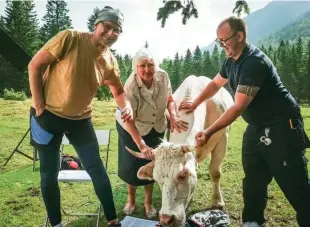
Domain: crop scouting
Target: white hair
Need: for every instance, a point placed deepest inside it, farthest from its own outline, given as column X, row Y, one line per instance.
column 142, row 55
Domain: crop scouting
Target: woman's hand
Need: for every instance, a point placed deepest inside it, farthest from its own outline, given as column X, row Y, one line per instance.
column 127, row 114
column 177, row 124
column 147, row 151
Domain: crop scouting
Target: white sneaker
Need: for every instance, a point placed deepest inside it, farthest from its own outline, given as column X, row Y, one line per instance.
column 252, row 224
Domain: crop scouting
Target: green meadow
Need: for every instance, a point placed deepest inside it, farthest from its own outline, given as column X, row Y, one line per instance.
column 21, row 201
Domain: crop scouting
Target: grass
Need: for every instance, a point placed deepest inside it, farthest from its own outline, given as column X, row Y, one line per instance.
column 21, row 202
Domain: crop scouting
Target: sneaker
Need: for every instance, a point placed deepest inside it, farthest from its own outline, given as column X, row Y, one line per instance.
column 253, row 224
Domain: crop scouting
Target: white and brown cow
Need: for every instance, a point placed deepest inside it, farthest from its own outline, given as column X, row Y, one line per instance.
column 174, row 167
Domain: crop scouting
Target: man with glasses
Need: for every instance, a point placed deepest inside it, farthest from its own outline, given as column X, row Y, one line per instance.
column 77, row 64
column 274, row 142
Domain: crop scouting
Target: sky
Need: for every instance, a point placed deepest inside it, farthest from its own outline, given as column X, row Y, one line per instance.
column 140, row 24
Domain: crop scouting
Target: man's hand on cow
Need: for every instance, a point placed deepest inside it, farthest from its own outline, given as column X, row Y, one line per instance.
column 177, row 124
column 189, row 106
column 127, row 114
column 202, row 138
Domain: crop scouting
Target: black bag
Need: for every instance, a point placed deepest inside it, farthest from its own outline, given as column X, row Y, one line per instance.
column 209, row 218
column 69, row 162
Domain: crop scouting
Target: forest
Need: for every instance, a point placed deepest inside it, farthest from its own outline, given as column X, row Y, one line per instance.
column 20, row 21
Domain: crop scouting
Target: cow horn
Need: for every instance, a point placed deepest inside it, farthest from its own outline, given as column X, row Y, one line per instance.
column 136, row 154
column 187, row 148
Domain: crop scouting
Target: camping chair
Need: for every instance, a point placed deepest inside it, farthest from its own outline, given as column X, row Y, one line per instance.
column 103, row 137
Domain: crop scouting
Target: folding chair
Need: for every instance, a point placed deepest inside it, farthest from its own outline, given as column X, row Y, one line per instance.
column 103, row 137
column 34, row 158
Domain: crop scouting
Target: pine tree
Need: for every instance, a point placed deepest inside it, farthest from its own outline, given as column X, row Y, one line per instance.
column 164, row 64
column 187, row 65
column 20, row 22
column 222, row 57
column 293, row 71
column 175, row 76
column 92, row 18
column 264, row 49
column 240, row 6
column 128, row 64
column 284, row 64
column 270, row 53
column 307, row 74
column 300, row 66
column 2, row 26
column 197, row 62
column 32, row 27
column 216, row 58
column 208, row 68
column 55, row 20
column 123, row 68
column 282, row 51
column 188, row 9
column 170, row 67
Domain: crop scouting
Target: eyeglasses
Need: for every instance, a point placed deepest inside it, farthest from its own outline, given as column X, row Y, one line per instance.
column 223, row 42
column 109, row 27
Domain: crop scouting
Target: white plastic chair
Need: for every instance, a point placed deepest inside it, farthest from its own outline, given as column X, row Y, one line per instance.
column 103, row 137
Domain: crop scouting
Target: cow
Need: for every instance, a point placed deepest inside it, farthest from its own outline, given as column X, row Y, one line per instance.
column 176, row 160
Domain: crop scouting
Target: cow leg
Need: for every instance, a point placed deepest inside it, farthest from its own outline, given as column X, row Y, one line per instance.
column 217, row 157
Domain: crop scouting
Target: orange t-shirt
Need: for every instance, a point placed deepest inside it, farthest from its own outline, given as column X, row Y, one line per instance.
column 72, row 81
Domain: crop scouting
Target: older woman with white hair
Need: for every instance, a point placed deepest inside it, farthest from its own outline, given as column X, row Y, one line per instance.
column 149, row 90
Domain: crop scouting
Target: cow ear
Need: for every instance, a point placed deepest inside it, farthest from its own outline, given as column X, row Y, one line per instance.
column 146, row 172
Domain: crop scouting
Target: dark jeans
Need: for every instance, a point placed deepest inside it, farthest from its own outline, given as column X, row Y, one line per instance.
column 47, row 131
column 284, row 160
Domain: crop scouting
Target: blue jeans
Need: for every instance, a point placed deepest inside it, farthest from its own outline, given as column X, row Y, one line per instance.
column 47, row 131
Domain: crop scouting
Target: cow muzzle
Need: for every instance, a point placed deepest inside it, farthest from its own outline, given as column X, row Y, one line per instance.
column 166, row 220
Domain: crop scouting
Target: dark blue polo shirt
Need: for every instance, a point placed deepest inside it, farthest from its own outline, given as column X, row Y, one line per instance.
column 273, row 102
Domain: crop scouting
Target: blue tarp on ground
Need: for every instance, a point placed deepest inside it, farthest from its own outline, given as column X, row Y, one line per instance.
column 129, row 221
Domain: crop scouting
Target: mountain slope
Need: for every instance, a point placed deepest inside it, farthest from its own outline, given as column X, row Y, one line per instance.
column 275, row 16
column 300, row 27
column 272, row 18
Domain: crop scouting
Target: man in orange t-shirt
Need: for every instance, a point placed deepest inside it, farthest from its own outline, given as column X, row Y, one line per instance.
column 76, row 64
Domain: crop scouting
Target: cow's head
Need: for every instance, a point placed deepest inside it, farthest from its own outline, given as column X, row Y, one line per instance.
column 174, row 170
